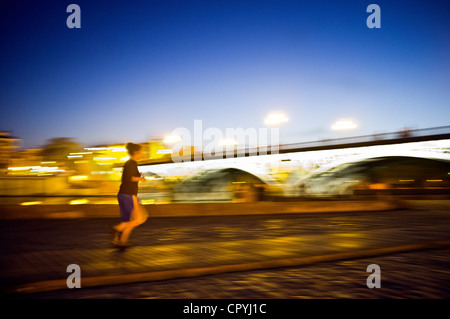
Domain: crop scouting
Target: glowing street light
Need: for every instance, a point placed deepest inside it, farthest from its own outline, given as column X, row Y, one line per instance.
column 275, row 118
column 227, row 142
column 344, row 125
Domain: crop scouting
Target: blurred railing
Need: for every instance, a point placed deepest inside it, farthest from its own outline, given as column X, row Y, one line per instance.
column 428, row 133
column 404, row 136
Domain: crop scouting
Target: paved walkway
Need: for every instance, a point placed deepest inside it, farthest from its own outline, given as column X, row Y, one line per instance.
column 423, row 274
column 38, row 250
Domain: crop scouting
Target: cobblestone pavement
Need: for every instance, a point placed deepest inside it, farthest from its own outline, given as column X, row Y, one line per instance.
column 35, row 250
column 408, row 275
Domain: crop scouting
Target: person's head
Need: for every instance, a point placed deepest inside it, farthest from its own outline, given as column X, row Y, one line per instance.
column 134, row 150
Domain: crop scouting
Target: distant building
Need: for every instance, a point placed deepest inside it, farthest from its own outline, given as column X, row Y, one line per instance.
column 9, row 145
column 29, row 157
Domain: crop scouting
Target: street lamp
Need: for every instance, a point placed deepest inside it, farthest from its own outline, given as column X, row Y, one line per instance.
column 275, row 119
column 228, row 142
column 344, row 125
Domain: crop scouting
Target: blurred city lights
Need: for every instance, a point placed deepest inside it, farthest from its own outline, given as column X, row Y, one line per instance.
column 23, row 168
column 96, row 148
column 36, row 169
column 168, row 151
column 172, row 139
column 78, row 177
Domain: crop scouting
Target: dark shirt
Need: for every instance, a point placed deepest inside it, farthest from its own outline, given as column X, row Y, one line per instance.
column 130, row 169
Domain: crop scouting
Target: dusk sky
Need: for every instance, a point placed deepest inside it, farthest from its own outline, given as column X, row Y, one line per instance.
column 138, row 69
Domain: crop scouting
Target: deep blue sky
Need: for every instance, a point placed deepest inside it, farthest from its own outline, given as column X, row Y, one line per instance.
column 138, row 69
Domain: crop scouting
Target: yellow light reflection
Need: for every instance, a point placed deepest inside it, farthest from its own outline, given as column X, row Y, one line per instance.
column 78, row 177
column 31, row 203
column 79, row 201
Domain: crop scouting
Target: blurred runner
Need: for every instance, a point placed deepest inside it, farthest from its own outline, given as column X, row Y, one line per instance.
column 132, row 213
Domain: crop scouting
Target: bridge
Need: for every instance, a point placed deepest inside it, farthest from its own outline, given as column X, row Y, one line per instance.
column 264, row 161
